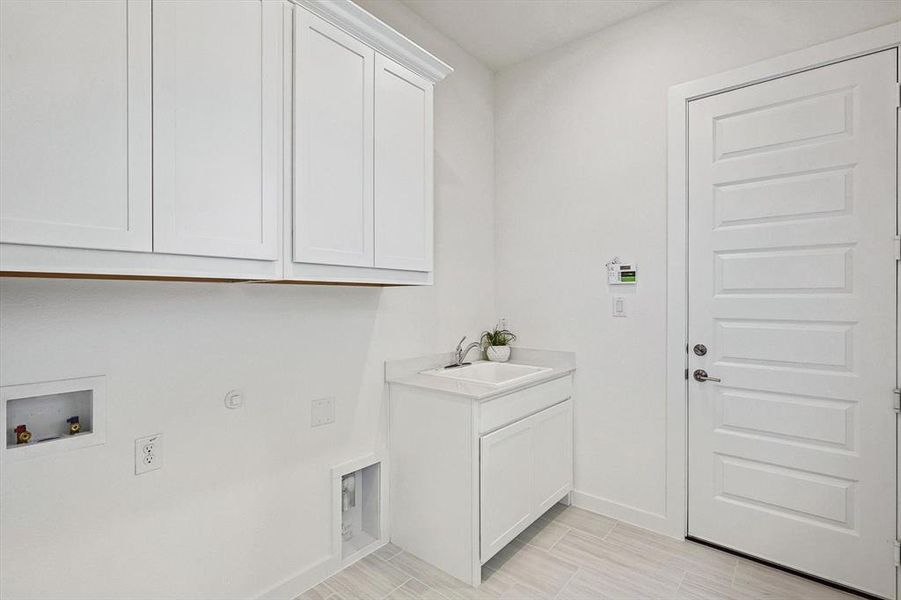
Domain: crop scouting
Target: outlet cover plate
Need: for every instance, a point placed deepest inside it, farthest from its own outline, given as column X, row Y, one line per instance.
column 148, row 453
column 322, row 411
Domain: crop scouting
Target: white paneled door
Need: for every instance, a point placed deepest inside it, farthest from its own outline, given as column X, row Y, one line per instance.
column 75, row 119
column 217, row 90
column 792, row 291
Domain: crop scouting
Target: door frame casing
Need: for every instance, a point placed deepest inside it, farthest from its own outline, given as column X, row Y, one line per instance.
column 880, row 38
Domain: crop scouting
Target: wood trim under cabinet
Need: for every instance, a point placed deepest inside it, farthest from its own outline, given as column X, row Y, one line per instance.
column 38, row 275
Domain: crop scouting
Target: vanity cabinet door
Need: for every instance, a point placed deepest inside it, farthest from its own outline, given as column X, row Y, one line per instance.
column 403, row 168
column 552, row 471
column 217, row 118
column 75, row 149
column 333, row 144
column 526, row 468
column 506, row 485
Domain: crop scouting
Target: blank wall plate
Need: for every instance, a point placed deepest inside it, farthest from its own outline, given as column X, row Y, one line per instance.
column 322, row 412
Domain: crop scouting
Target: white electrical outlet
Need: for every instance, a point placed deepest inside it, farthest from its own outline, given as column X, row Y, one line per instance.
column 322, row 412
column 148, row 453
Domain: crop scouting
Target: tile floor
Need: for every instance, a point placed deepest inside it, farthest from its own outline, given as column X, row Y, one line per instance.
column 573, row 554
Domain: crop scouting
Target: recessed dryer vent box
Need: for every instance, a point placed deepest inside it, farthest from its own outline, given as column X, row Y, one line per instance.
column 360, row 523
column 53, row 416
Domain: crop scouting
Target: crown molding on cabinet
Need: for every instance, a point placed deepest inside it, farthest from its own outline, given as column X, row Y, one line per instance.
column 367, row 28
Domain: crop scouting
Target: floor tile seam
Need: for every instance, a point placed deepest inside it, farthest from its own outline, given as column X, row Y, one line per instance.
column 568, row 581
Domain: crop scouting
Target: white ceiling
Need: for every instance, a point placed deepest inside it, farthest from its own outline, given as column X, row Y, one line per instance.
column 504, row 32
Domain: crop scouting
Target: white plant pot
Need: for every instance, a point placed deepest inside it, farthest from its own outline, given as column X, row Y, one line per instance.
column 498, row 353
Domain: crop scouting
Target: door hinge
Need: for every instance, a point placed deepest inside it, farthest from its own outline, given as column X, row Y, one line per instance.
column 686, row 374
column 897, row 392
column 898, row 247
column 897, row 554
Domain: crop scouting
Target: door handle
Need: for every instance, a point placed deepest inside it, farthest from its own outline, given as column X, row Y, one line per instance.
column 701, row 375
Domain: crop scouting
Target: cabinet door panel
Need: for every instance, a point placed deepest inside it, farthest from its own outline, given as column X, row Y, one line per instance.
column 403, row 168
column 75, row 120
column 217, row 118
column 506, row 484
column 553, row 446
column 333, row 76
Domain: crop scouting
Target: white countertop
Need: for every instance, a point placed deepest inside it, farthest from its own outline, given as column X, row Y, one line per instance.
column 408, row 372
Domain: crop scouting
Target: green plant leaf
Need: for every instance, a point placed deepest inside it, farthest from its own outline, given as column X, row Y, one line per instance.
column 497, row 337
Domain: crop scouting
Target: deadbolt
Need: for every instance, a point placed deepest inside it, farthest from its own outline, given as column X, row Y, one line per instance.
column 700, row 349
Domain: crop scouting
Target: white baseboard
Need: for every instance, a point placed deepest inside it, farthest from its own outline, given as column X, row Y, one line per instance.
column 313, row 575
column 629, row 514
column 309, row 576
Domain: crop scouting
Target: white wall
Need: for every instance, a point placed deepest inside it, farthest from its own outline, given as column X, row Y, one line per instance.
column 581, row 177
column 242, row 502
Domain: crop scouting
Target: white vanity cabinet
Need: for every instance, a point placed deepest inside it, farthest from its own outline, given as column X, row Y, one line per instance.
column 230, row 139
column 472, row 466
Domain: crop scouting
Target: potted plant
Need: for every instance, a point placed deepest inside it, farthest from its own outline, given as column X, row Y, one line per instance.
column 497, row 343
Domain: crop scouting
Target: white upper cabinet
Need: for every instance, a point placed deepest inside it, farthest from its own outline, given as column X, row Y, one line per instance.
column 75, row 147
column 228, row 139
column 362, row 206
column 333, row 145
column 217, row 125
column 403, row 168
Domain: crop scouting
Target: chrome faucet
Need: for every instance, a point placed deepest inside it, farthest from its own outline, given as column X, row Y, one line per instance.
column 461, row 352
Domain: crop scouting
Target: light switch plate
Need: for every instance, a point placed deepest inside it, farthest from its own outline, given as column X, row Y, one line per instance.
column 619, row 306
column 322, row 411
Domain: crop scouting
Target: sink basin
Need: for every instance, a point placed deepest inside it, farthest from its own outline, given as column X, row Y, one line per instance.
column 490, row 373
